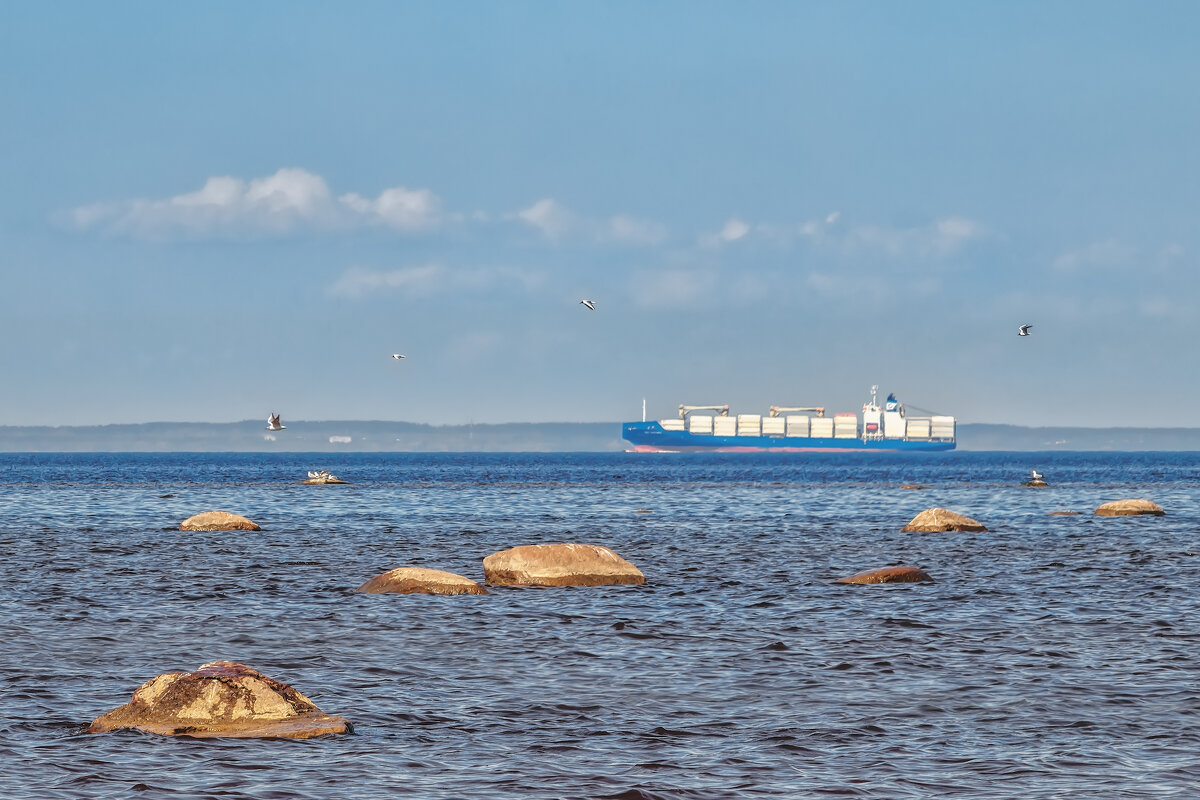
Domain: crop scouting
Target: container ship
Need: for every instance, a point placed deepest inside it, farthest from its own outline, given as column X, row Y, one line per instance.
column 792, row 429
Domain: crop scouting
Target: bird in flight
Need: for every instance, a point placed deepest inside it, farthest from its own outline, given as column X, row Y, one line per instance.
column 1023, row 330
column 397, row 356
column 591, row 305
column 273, row 423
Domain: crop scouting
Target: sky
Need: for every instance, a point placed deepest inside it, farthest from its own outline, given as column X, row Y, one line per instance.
column 214, row 211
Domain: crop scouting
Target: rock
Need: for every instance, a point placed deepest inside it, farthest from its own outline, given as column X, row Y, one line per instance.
column 559, row 565
column 416, row 580
column 222, row 698
column 939, row 519
column 912, row 486
column 1037, row 483
column 1062, row 513
column 1129, row 508
column 324, row 480
column 889, row 575
column 217, row 521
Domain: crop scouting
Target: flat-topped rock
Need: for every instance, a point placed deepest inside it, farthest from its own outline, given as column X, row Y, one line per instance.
column 222, row 698
column 1129, row 508
column 418, row 580
column 889, row 575
column 939, row 519
column 1062, row 513
column 911, row 486
column 559, row 565
column 218, row 521
column 324, row 480
column 1036, row 483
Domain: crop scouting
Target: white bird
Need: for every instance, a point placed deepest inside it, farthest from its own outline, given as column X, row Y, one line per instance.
column 273, row 423
column 1023, row 330
column 397, row 356
column 1037, row 476
column 589, row 303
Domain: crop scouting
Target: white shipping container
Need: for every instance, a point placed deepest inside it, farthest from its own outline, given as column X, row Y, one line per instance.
column 918, row 429
column 773, row 426
column 724, row 426
column 822, row 427
column 671, row 424
column 700, row 424
column 797, row 426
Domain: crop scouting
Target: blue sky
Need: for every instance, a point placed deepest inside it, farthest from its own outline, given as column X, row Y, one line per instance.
column 213, row 211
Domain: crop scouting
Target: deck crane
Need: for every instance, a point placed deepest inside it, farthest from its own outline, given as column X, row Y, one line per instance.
column 777, row 410
column 685, row 410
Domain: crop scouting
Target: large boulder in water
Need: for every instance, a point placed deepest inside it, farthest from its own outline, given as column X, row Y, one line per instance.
column 1129, row 508
column 939, row 519
column 222, row 698
column 217, row 521
column 417, row 580
column 889, row 575
column 559, row 565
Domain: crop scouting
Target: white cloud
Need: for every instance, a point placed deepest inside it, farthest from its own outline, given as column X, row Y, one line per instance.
column 556, row 222
column 1106, row 254
column 398, row 207
column 943, row 237
column 696, row 288
column 427, row 279
column 289, row 200
column 736, row 229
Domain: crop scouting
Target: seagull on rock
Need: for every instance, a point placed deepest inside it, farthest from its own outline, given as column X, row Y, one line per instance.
column 1024, row 330
column 591, row 305
column 273, row 423
column 1037, row 476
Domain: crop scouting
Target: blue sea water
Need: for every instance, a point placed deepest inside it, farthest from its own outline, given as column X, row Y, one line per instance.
column 1054, row 657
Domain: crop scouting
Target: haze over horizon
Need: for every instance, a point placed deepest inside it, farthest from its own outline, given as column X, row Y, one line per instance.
column 219, row 211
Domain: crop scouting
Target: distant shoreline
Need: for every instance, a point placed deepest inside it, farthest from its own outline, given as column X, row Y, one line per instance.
column 512, row 437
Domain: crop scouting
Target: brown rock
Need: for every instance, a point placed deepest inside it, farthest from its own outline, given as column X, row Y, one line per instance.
column 217, row 521
column 1062, row 513
column 889, row 575
column 416, row 580
column 323, row 481
column 939, row 519
column 222, row 698
column 1039, row 484
column 559, row 565
column 1129, row 508
column 912, row 486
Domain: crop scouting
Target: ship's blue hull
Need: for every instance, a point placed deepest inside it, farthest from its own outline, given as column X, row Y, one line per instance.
column 650, row 437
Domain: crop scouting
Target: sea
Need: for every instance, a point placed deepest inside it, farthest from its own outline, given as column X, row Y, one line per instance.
column 1053, row 656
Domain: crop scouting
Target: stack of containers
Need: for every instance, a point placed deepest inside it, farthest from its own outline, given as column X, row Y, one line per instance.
column 822, row 427
column 845, row 426
column 918, row 429
column 797, row 426
column 671, row 424
column 773, row 426
column 941, row 427
column 700, row 424
column 724, row 426
column 749, row 424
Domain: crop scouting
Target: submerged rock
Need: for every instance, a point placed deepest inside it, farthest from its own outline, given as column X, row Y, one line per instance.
column 559, row 565
column 218, row 521
column 1062, row 513
column 1129, row 508
column 222, row 698
column 417, row 580
column 911, row 486
column 939, row 519
column 889, row 575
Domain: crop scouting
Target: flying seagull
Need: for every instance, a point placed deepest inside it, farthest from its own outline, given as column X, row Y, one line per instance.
column 273, row 423
column 589, row 303
column 1037, row 476
column 397, row 356
column 1024, row 330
